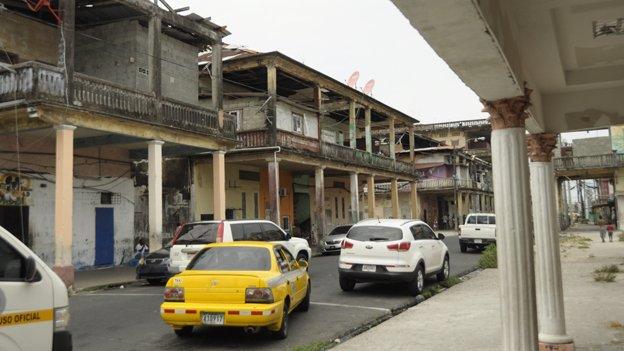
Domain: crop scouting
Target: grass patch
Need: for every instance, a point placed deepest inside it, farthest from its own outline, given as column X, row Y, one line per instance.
column 577, row 241
column 488, row 258
column 608, row 269
column 621, row 237
column 604, row 277
column 452, row 280
column 315, row 346
column 616, row 325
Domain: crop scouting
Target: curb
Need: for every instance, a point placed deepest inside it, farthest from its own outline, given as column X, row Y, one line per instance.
column 105, row 286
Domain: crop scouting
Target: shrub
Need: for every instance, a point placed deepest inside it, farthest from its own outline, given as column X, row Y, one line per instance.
column 452, row 280
column 608, row 269
column 604, row 277
column 488, row 258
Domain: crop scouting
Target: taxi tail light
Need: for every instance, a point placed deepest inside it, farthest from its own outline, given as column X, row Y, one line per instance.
column 346, row 244
column 402, row 246
column 220, row 232
column 174, row 294
column 258, row 295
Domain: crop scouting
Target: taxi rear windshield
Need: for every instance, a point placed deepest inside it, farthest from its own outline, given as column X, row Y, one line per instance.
column 232, row 259
column 375, row 233
column 199, row 233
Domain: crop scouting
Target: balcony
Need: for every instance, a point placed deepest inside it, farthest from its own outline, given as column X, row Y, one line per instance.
column 302, row 144
column 40, row 83
column 450, row 183
column 589, row 162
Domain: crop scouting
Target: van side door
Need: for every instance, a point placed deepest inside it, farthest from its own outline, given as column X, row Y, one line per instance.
column 26, row 308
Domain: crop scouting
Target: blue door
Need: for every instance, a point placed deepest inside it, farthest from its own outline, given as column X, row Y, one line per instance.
column 104, row 236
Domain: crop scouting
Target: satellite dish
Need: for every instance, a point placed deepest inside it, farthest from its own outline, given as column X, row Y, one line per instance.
column 368, row 88
column 353, row 79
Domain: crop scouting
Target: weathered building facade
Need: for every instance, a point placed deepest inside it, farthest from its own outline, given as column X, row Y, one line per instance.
column 87, row 99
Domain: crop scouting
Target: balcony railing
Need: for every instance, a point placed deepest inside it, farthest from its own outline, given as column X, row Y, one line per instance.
column 38, row 82
column 474, row 123
column 586, row 162
column 450, row 183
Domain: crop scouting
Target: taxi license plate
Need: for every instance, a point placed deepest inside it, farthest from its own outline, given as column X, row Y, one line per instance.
column 478, row 241
column 369, row 268
column 213, row 318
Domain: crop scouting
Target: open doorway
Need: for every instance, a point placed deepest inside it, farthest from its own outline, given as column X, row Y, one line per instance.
column 15, row 220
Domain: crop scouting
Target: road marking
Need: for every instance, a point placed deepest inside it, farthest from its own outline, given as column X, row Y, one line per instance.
column 351, row 306
column 120, row 294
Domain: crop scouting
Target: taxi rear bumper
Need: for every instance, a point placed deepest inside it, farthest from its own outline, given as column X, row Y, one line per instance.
column 178, row 314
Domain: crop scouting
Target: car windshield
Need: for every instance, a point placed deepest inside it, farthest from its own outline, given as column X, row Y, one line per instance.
column 340, row 230
column 198, row 233
column 232, row 259
column 375, row 233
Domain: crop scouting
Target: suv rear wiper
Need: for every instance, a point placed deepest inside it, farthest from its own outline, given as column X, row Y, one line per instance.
column 378, row 239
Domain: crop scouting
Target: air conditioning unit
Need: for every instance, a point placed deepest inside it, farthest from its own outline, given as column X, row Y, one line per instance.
column 283, row 192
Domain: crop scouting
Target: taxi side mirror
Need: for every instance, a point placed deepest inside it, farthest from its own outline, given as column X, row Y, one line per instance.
column 302, row 263
column 30, row 270
column 441, row 236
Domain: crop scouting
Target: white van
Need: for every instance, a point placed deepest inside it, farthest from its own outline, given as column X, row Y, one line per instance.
column 34, row 308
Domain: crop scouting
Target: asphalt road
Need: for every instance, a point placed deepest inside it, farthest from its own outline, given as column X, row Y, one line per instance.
column 128, row 319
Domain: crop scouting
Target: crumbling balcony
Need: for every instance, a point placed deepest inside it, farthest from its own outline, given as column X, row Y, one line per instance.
column 32, row 83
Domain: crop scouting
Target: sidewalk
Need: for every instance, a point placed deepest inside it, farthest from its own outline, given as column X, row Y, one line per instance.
column 466, row 317
column 103, row 276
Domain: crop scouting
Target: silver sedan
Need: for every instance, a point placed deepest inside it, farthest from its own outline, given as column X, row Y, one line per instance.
column 332, row 241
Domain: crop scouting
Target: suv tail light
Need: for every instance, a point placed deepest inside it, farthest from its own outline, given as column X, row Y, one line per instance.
column 220, row 232
column 346, row 244
column 402, row 246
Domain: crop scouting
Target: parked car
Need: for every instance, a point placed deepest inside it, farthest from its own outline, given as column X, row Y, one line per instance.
column 194, row 236
column 478, row 232
column 34, row 308
column 392, row 250
column 331, row 242
column 155, row 267
column 238, row 284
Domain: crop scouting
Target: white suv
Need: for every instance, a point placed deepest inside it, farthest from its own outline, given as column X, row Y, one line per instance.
column 392, row 250
column 194, row 236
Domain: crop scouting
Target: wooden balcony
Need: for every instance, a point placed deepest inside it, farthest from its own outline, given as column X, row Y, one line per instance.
column 302, row 144
column 39, row 83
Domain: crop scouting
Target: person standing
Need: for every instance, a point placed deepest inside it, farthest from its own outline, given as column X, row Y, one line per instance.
column 610, row 231
column 603, row 232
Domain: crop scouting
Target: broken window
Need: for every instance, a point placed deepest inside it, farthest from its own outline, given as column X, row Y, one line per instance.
column 238, row 115
column 297, row 123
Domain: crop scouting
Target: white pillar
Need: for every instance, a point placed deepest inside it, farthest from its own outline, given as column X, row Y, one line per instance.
column 514, row 239
column 154, row 188
column 218, row 184
column 394, row 198
column 63, row 203
column 549, row 289
column 355, row 198
column 274, row 198
column 319, row 210
column 414, row 202
column 370, row 187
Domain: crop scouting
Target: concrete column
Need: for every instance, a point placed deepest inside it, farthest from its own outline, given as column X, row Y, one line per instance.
column 154, row 62
column 355, row 198
column 274, row 198
column 218, row 184
column 154, row 190
column 619, row 207
column 271, row 109
column 367, row 130
column 352, row 125
column 414, row 202
column 549, row 289
column 392, row 139
column 63, row 203
column 514, row 235
column 394, row 198
column 216, row 68
column 67, row 10
column 319, row 209
column 370, row 185
column 411, row 144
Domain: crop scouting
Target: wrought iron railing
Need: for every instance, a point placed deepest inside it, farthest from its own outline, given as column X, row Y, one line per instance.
column 450, row 183
column 585, row 162
column 33, row 81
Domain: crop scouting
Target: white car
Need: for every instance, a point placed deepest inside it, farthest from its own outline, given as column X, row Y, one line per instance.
column 478, row 232
column 193, row 236
column 392, row 250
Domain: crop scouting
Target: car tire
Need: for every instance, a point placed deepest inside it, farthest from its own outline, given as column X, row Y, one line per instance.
column 346, row 284
column 417, row 285
column 463, row 248
column 445, row 271
column 184, row 331
column 282, row 332
column 304, row 306
column 154, row 281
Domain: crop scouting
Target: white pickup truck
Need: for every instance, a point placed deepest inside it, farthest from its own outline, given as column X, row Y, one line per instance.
column 478, row 232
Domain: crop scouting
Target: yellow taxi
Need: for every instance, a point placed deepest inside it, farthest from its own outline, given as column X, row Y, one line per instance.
column 237, row 284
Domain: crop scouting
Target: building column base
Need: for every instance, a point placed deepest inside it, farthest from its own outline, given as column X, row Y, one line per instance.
column 66, row 273
column 549, row 346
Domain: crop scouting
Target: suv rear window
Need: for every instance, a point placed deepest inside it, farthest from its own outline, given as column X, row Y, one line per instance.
column 232, row 259
column 375, row 233
column 482, row 219
column 198, row 233
column 343, row 229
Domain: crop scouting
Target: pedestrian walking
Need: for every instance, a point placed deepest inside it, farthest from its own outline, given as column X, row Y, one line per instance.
column 445, row 221
column 603, row 232
column 610, row 231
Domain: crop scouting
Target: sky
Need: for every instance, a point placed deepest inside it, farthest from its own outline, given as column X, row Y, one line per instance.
column 340, row 37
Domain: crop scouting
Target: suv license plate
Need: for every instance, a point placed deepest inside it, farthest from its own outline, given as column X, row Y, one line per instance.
column 478, row 241
column 369, row 268
column 213, row 318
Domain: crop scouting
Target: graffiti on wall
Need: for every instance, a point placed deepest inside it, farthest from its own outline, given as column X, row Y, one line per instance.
column 15, row 189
